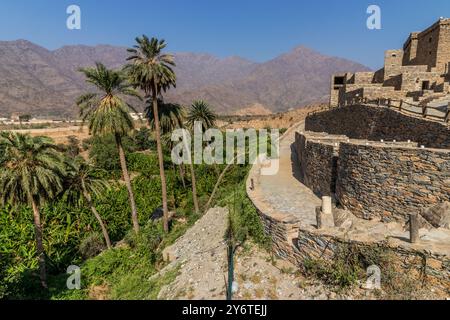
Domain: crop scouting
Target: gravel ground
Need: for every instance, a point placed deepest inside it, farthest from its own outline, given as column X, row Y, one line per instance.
column 201, row 256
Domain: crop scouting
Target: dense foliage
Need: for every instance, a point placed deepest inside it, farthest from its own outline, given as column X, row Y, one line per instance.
column 73, row 202
column 71, row 233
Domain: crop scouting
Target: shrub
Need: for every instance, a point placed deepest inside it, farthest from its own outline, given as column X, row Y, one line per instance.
column 92, row 245
column 144, row 140
column 104, row 151
column 245, row 222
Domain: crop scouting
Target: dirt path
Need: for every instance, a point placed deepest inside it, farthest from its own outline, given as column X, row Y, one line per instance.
column 201, row 255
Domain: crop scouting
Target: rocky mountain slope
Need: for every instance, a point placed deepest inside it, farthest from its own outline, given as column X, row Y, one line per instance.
column 43, row 82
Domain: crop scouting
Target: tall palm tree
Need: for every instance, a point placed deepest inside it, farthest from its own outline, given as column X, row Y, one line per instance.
column 107, row 113
column 82, row 184
column 151, row 70
column 201, row 111
column 172, row 116
column 32, row 173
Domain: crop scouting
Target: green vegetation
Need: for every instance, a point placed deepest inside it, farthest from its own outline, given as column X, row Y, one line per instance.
column 200, row 111
column 349, row 267
column 72, row 234
column 32, row 173
column 59, row 209
column 244, row 219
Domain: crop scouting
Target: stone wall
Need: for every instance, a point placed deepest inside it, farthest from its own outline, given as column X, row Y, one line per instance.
column 392, row 63
column 298, row 241
column 388, row 182
column 319, row 164
column 298, row 244
column 364, row 77
column 375, row 123
column 311, row 245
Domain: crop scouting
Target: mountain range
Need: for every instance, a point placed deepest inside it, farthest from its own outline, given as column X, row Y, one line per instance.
column 42, row 82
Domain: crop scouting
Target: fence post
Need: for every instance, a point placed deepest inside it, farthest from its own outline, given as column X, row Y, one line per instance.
column 401, row 105
column 424, row 111
column 414, row 227
column 319, row 217
column 447, row 115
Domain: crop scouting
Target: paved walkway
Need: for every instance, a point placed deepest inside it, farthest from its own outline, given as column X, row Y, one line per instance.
column 284, row 197
column 283, row 192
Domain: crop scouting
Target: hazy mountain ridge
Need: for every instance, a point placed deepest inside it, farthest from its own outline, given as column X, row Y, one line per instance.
column 43, row 82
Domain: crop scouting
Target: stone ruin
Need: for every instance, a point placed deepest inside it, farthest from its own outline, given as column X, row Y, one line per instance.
column 386, row 170
column 419, row 72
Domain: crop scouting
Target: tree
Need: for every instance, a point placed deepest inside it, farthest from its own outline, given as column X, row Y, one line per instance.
column 32, row 173
column 151, row 70
column 73, row 147
column 201, row 111
column 24, row 118
column 108, row 113
column 83, row 183
column 143, row 139
column 171, row 117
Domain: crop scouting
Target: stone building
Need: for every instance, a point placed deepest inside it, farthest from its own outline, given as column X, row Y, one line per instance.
column 418, row 72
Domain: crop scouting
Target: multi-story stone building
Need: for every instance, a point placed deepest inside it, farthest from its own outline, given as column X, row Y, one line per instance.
column 418, row 72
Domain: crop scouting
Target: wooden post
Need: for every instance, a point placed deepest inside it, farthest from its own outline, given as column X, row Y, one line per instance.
column 319, row 217
column 424, row 111
column 447, row 115
column 401, row 105
column 413, row 227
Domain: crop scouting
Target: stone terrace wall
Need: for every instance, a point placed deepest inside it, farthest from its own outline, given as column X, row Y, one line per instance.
column 319, row 164
column 312, row 245
column 390, row 182
column 318, row 155
column 298, row 242
column 375, row 123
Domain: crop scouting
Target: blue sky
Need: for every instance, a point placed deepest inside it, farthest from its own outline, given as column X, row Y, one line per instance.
column 258, row 30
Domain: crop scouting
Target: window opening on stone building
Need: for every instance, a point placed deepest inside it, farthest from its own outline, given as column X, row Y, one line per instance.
column 338, row 81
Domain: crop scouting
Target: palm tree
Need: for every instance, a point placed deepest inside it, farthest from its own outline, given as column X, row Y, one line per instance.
column 84, row 182
column 172, row 116
column 108, row 113
column 151, row 70
column 200, row 111
column 32, row 173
